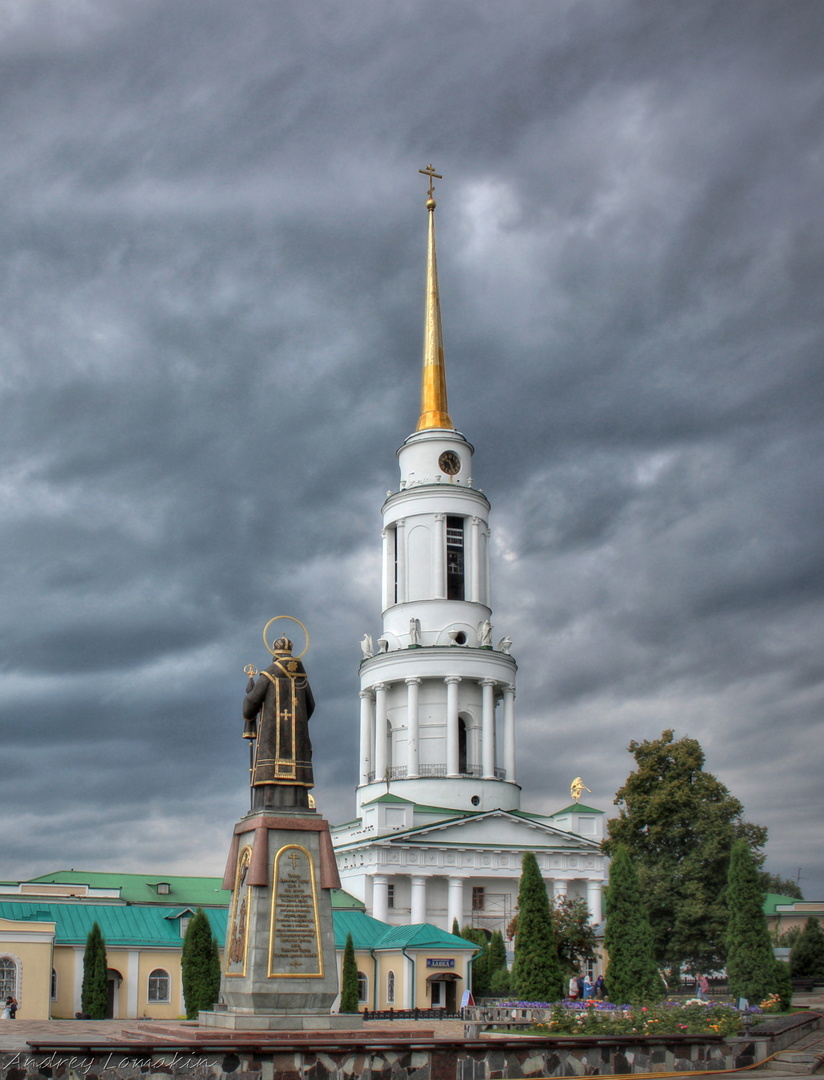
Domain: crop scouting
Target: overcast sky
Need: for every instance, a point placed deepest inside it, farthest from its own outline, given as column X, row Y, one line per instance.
column 211, row 309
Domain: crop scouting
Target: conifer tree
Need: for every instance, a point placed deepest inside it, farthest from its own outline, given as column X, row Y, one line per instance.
column 497, row 973
column 94, row 990
column 807, row 955
column 349, row 997
column 199, row 966
column 496, row 955
column 536, row 973
column 632, row 974
column 751, row 971
column 456, row 930
column 480, row 966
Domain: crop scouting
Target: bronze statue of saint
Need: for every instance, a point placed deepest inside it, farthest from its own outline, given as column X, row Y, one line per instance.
column 277, row 708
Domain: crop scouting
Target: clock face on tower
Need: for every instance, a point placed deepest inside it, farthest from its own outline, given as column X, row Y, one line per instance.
column 449, row 462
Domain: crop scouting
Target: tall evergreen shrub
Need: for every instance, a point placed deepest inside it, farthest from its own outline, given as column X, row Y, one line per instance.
column 632, row 974
column 200, row 966
column 751, row 971
column 349, row 998
column 94, row 989
column 536, row 973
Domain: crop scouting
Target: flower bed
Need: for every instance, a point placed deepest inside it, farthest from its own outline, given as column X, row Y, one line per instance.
column 672, row 1017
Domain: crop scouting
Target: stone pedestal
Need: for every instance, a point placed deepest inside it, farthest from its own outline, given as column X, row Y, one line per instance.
column 279, row 966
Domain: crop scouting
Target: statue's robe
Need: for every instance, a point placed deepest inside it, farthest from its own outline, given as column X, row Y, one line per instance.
column 282, row 702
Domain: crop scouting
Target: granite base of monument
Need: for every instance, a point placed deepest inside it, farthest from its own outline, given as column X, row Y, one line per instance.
column 280, row 967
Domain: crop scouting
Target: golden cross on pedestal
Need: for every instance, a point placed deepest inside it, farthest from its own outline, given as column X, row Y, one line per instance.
column 430, row 172
column 294, row 859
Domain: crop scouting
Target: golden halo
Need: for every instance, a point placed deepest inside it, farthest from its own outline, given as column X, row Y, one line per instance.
column 300, row 624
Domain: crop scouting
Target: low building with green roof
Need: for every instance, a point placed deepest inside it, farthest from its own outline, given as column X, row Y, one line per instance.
column 45, row 921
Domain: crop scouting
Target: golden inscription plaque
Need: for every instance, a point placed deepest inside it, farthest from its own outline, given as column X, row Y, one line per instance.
column 294, row 939
column 238, row 939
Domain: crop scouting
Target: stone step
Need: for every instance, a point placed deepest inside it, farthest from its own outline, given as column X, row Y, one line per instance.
column 802, row 1062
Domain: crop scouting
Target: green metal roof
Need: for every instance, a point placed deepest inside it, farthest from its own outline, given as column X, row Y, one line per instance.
column 423, row 936
column 369, row 933
column 184, row 891
column 578, row 808
column 141, row 888
column 772, row 900
column 366, row 932
column 121, row 924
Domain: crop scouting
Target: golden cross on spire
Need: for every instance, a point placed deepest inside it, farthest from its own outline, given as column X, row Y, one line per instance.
column 430, row 172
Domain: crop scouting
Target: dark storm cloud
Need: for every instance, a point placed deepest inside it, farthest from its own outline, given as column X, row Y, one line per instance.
column 210, row 322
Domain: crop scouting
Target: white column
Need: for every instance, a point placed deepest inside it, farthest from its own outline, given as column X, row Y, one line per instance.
column 380, row 897
column 387, row 587
column 559, row 888
column 509, row 733
column 452, row 724
column 412, row 717
column 379, row 757
column 418, row 902
column 455, row 904
column 488, row 728
column 77, row 989
column 400, row 554
column 366, row 735
column 439, row 558
column 474, row 560
column 133, row 985
column 594, row 900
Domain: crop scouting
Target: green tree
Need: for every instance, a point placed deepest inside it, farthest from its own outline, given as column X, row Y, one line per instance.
column 349, row 997
column 678, row 824
column 807, row 955
column 456, row 929
column 632, row 974
column 199, row 966
column 94, row 989
column 536, row 973
column 751, row 971
column 782, row 886
column 480, row 968
column 574, row 932
column 497, row 972
column 784, row 983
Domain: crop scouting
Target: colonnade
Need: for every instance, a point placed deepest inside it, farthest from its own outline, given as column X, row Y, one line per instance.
column 456, row 887
column 374, row 728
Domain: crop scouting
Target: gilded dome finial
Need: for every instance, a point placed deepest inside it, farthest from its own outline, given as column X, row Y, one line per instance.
column 434, row 411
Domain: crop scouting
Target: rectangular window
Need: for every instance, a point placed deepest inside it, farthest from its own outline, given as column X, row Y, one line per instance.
column 477, row 897
column 455, row 558
column 390, row 896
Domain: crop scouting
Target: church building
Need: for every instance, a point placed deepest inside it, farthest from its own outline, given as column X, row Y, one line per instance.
column 440, row 833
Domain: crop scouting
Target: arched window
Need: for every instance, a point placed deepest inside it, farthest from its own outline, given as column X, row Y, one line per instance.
column 160, row 985
column 54, row 985
column 390, row 988
column 8, row 977
column 363, row 987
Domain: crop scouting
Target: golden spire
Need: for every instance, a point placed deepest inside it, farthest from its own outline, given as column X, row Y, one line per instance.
column 434, row 411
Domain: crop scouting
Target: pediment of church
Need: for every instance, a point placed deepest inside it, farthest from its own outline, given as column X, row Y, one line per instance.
column 498, row 828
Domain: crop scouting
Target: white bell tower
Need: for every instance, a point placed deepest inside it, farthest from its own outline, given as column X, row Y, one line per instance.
column 437, row 722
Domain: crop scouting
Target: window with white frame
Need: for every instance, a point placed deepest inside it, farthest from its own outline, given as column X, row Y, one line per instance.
column 363, row 987
column 160, row 986
column 8, row 977
column 390, row 988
